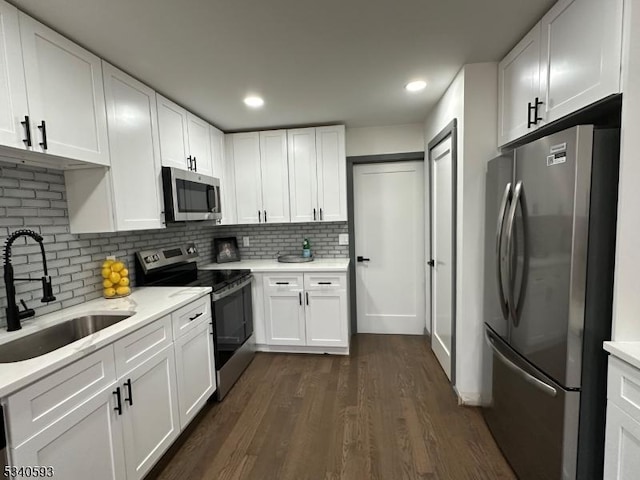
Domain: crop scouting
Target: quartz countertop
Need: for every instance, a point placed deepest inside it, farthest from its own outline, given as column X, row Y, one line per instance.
column 318, row 264
column 627, row 351
column 147, row 305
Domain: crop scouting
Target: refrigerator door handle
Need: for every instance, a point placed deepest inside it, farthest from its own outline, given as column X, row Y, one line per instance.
column 546, row 388
column 511, row 301
column 501, row 217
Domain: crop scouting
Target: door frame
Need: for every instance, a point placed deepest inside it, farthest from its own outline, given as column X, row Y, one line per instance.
column 451, row 130
column 351, row 162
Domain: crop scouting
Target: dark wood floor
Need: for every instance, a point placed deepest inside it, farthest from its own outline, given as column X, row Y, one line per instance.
column 387, row 412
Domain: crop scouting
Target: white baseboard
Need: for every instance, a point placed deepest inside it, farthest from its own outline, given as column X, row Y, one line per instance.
column 302, row 349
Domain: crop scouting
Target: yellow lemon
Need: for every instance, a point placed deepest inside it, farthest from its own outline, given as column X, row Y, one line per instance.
column 107, row 284
column 109, row 292
column 114, row 277
column 106, row 272
column 116, row 267
column 124, row 282
column 107, row 263
column 124, row 272
column 123, row 290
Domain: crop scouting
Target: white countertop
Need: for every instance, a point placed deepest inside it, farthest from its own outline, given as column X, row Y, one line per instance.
column 627, row 351
column 147, row 305
column 319, row 264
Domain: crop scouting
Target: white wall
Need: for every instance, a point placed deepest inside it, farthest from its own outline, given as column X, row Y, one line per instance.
column 626, row 303
column 384, row 140
column 472, row 99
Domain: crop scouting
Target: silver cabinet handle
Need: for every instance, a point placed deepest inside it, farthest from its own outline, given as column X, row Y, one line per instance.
column 526, row 376
column 501, row 217
column 510, row 224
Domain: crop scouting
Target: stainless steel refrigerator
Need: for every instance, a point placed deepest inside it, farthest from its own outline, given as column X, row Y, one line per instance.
column 549, row 258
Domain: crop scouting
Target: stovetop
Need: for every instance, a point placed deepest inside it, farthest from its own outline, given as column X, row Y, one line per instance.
column 188, row 275
column 217, row 279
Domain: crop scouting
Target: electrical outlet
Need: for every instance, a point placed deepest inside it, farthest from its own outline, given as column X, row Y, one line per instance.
column 245, row 241
column 343, row 239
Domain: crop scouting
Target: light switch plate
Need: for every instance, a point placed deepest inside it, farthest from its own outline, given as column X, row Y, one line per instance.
column 245, row 241
column 343, row 239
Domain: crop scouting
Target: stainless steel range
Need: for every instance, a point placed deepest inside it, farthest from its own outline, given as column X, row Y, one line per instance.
column 231, row 305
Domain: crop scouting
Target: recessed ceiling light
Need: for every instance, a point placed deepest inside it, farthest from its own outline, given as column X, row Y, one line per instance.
column 254, row 102
column 416, row 86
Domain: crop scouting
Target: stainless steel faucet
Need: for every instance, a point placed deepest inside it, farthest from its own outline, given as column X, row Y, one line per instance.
column 14, row 314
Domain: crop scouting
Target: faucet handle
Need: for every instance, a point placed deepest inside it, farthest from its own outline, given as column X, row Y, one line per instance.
column 47, row 290
column 27, row 312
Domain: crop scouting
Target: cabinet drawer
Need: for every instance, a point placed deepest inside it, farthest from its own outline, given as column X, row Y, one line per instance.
column 282, row 281
column 624, row 387
column 37, row 406
column 187, row 317
column 136, row 348
column 316, row 281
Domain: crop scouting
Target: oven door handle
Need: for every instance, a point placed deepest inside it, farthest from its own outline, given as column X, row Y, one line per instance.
column 226, row 293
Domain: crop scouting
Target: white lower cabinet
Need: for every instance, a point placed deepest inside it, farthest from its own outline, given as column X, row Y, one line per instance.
column 195, row 370
column 85, row 444
column 309, row 309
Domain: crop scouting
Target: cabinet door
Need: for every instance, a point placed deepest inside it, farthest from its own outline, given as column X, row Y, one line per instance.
column 195, row 371
column 275, row 176
column 216, row 138
column 199, row 144
column 332, row 174
column 228, row 185
column 581, row 50
column 622, row 445
column 172, row 123
column 86, row 443
column 303, row 177
column 13, row 92
column 326, row 315
column 284, row 315
column 246, row 162
column 65, row 90
column 135, row 151
column 151, row 412
column 518, row 86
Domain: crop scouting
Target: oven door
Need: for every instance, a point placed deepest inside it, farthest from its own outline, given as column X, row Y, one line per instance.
column 190, row 195
column 232, row 315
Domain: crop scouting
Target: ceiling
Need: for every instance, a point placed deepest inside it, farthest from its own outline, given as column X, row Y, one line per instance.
column 313, row 62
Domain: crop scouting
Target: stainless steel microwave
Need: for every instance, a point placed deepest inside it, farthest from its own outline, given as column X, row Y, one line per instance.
column 190, row 196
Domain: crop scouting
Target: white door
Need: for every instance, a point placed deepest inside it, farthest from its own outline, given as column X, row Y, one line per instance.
column 442, row 252
column 84, row 444
column 151, row 412
column 13, row 92
column 194, row 370
column 275, row 176
column 135, row 151
column 326, row 313
column 284, row 309
column 174, row 136
column 246, row 161
column 622, row 448
column 64, row 90
column 581, row 50
column 303, row 177
column 389, row 232
column 332, row 173
column 518, row 86
column 217, row 152
column 199, row 144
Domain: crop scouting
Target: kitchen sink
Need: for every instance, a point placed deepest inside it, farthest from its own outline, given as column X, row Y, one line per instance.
column 57, row 336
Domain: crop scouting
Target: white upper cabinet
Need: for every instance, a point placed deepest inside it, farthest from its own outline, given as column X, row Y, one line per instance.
column 216, row 137
column 245, row 148
column 13, row 93
column 332, row 171
column 135, row 151
column 199, row 145
column 174, row 136
column 581, row 46
column 228, row 184
column 518, row 86
column 558, row 68
column 274, row 176
column 65, row 94
column 303, row 180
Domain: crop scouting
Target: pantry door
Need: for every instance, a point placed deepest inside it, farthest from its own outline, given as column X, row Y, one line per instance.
column 389, row 247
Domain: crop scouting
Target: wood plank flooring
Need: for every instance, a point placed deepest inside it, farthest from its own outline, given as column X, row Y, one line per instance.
column 386, row 412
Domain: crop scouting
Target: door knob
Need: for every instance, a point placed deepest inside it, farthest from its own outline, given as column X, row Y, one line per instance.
column 362, row 259
column 431, row 263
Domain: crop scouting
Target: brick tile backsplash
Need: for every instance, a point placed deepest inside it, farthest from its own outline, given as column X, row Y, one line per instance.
column 35, row 198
